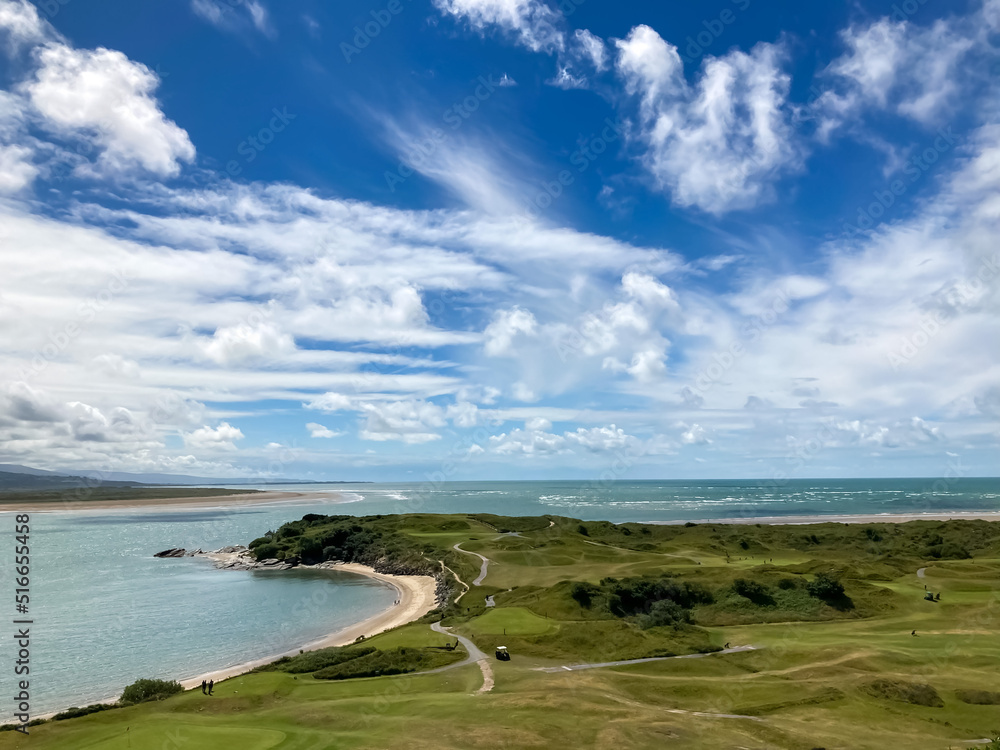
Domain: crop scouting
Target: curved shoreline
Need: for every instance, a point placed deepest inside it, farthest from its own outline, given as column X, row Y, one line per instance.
column 417, row 597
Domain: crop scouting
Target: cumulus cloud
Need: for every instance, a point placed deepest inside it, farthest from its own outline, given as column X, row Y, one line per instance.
column 505, row 327
column 19, row 19
column 223, row 437
column 721, row 143
column 317, row 430
column 246, row 342
column 109, row 98
column 410, row 421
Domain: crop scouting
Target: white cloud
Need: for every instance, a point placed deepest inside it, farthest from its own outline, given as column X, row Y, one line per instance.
column 592, row 47
column 16, row 168
column 532, row 22
column 694, row 435
column 894, row 65
column 319, row 431
column 535, row 440
column 102, row 95
column 20, row 20
column 410, row 421
column 238, row 15
column 722, row 143
column 505, row 327
column 223, row 437
column 331, row 402
column 246, row 342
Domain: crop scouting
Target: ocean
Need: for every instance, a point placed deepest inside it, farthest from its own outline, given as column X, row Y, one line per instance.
column 106, row 612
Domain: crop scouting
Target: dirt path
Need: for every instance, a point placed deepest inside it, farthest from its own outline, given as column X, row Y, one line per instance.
column 626, row 662
column 475, row 655
column 482, row 568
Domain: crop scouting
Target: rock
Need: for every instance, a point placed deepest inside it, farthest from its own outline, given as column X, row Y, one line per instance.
column 172, row 552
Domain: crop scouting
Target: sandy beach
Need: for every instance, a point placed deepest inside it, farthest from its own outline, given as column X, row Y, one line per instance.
column 195, row 501
column 862, row 518
column 416, row 598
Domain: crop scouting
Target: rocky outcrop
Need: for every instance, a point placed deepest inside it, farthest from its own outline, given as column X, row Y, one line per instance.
column 172, row 552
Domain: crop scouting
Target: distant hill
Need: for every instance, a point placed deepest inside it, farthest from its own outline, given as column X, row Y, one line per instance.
column 20, row 482
column 125, row 478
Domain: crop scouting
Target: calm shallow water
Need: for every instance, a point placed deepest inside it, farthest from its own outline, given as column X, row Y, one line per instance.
column 106, row 612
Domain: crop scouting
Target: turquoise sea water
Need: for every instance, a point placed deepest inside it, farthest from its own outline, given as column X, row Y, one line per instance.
column 106, row 612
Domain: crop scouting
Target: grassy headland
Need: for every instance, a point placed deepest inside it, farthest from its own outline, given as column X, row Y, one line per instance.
column 829, row 609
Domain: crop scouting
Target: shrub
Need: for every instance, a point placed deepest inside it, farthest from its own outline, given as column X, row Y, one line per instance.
column 787, row 584
column 755, row 592
column 312, row 661
column 584, row 593
column 266, row 551
column 583, row 530
column 664, row 612
column 381, row 663
column 72, row 713
column 141, row 691
column 825, row 587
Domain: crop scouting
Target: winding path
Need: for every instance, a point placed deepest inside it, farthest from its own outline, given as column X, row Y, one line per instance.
column 475, row 655
column 578, row 667
column 482, row 568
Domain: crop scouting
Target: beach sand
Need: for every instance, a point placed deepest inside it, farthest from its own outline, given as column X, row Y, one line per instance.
column 195, row 501
column 417, row 597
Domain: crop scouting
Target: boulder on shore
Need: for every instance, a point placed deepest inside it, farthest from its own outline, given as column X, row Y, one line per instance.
column 173, row 552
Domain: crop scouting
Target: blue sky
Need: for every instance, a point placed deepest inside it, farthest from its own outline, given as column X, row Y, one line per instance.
column 500, row 238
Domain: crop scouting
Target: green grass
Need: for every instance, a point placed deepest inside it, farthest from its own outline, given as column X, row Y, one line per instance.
column 820, row 677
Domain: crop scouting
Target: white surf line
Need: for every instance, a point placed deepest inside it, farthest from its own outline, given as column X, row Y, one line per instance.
column 483, row 567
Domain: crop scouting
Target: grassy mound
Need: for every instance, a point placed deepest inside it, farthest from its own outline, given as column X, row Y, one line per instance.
column 394, row 661
column 905, row 692
column 978, row 697
column 313, row 661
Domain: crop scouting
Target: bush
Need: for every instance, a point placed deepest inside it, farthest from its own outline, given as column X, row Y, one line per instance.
column 825, row 587
column 266, row 551
column 583, row 530
column 755, row 592
column 72, row 713
column 664, row 612
column 787, row 584
column 313, row 661
column 584, row 593
column 382, row 663
column 141, row 691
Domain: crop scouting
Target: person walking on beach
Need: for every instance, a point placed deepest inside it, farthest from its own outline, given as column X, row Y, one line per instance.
column 211, row 684
column 203, row 683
